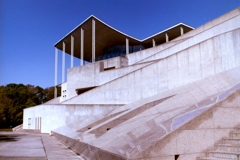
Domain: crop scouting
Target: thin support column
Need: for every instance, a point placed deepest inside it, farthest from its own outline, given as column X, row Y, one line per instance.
column 167, row 39
column 72, row 50
column 93, row 40
column 56, row 73
column 127, row 46
column 153, row 42
column 181, row 30
column 63, row 63
column 82, row 47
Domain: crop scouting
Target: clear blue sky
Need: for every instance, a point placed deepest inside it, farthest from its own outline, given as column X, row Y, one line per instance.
column 30, row 28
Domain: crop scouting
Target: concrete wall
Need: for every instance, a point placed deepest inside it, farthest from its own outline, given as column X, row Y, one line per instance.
column 137, row 57
column 93, row 74
column 146, row 55
column 207, row 58
column 54, row 116
column 211, row 32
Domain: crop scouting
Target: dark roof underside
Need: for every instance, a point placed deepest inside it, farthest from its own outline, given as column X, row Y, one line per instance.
column 106, row 37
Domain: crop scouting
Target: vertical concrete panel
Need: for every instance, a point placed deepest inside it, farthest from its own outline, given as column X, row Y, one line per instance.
column 236, row 39
column 123, row 93
column 131, row 81
column 230, row 50
column 172, row 71
column 107, row 89
column 223, row 51
column 217, row 55
column 182, row 61
column 150, row 79
column 206, row 51
column 138, row 86
column 194, row 69
column 138, row 57
column 159, row 67
column 153, row 78
column 162, row 75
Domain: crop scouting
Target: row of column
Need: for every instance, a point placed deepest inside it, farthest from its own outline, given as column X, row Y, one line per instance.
column 81, row 54
column 166, row 37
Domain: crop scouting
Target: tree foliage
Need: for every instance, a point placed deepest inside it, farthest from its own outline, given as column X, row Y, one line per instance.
column 15, row 97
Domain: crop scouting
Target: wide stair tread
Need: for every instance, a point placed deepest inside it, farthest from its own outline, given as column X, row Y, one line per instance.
column 228, row 145
column 235, row 134
column 213, row 158
column 238, row 139
column 227, row 140
column 229, row 149
column 224, row 152
column 235, row 131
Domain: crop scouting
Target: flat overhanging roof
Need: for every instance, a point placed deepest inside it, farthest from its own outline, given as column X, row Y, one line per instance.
column 173, row 32
column 107, row 36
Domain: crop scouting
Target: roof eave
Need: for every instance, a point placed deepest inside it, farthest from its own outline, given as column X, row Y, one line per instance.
column 167, row 30
column 73, row 30
column 92, row 16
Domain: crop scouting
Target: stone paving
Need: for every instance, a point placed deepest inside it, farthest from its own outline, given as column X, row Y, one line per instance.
column 22, row 146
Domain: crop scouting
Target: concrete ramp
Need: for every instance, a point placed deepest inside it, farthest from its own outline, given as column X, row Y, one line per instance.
column 154, row 127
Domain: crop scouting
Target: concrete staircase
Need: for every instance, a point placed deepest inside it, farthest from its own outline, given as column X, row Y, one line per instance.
column 229, row 149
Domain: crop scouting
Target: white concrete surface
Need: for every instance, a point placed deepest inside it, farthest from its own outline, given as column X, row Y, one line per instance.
column 139, row 126
column 93, row 74
column 54, row 116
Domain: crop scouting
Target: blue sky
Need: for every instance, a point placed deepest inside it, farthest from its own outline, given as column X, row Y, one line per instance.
column 30, row 28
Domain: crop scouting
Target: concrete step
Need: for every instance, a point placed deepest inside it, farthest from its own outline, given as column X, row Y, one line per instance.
column 223, row 154
column 235, row 134
column 237, row 128
column 227, row 147
column 228, row 150
column 212, row 158
column 233, row 141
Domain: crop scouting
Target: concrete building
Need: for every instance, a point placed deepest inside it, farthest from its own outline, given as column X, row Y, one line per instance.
column 173, row 95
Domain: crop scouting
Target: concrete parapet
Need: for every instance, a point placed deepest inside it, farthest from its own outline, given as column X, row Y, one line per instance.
column 94, row 75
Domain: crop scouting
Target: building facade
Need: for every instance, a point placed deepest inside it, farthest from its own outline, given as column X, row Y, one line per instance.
column 170, row 96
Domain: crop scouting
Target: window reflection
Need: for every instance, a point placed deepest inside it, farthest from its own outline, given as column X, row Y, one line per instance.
column 118, row 51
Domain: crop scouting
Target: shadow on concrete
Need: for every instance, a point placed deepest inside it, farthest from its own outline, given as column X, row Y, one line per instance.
column 8, row 138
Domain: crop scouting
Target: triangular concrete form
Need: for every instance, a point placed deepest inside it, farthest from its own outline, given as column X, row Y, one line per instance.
column 164, row 125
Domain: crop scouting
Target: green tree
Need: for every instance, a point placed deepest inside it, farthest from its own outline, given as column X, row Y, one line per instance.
column 15, row 97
